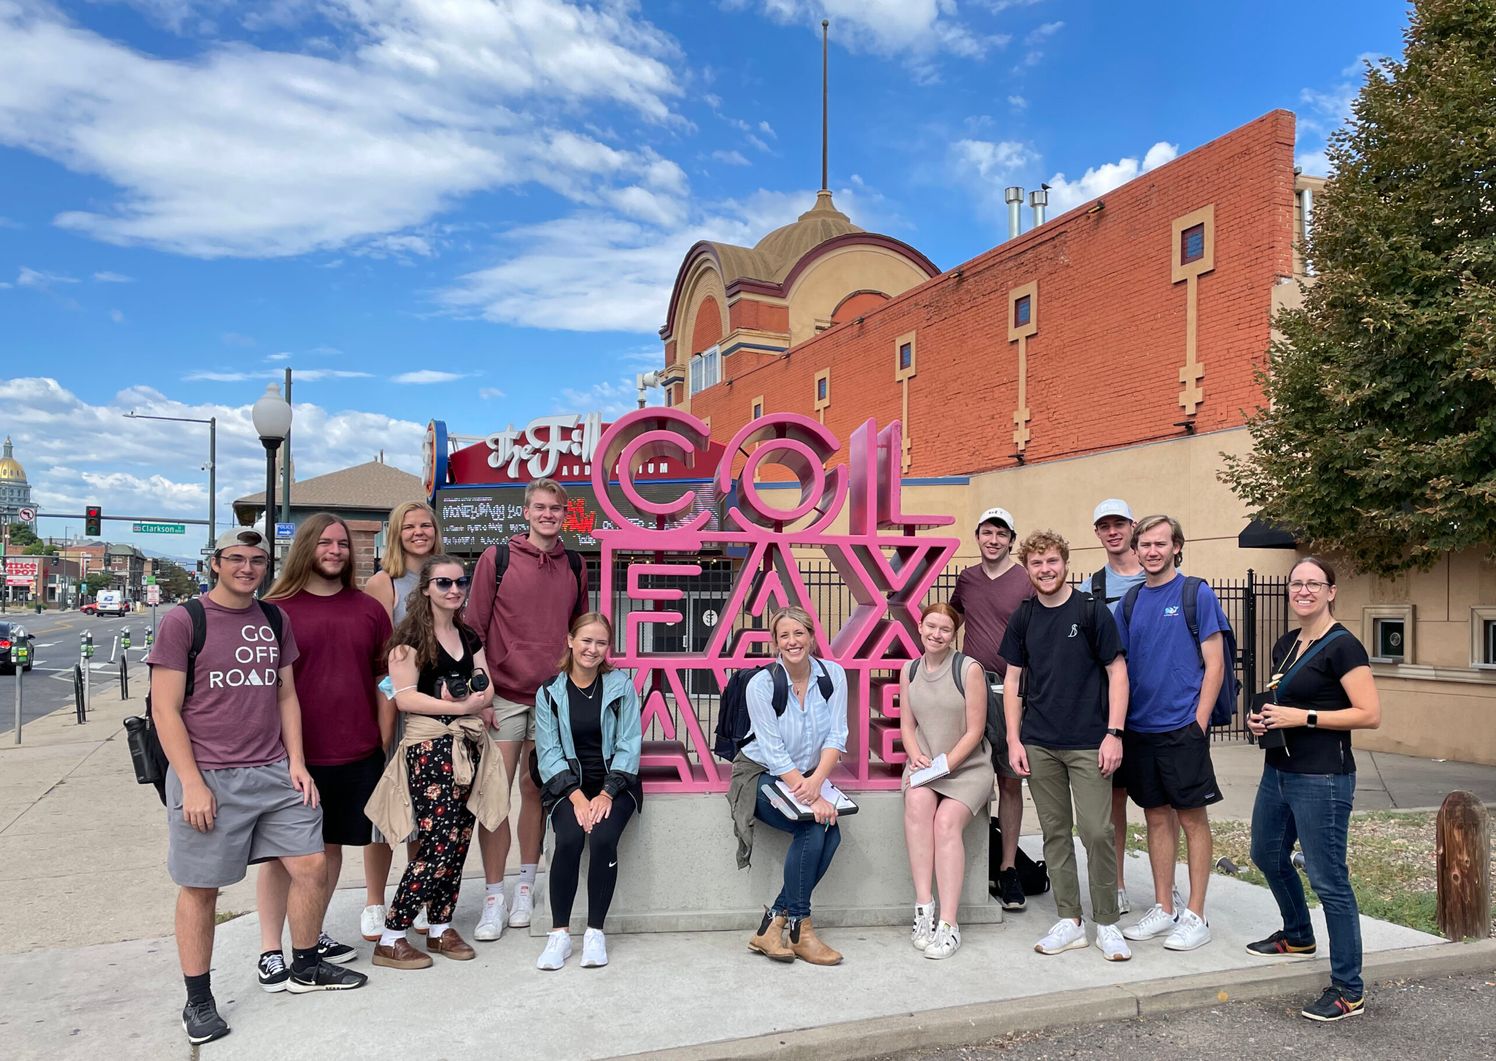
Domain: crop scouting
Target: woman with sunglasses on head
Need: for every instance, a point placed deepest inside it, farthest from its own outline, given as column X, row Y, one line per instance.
column 441, row 685
column 587, row 745
column 1322, row 688
column 411, row 537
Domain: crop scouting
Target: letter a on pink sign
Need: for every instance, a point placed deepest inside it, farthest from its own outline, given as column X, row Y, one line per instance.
column 784, row 497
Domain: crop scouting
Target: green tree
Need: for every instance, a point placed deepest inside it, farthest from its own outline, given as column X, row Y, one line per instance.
column 97, row 581
column 174, row 580
column 1378, row 440
column 21, row 535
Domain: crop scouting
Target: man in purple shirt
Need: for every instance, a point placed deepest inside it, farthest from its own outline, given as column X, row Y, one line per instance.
column 987, row 594
column 237, row 789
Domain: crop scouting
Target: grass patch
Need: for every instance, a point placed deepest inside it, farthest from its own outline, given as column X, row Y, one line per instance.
column 226, row 915
column 1391, row 857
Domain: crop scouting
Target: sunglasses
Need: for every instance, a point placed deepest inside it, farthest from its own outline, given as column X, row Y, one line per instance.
column 445, row 584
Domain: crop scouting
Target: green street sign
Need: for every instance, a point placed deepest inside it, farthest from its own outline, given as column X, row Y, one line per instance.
column 159, row 528
column 150, row 580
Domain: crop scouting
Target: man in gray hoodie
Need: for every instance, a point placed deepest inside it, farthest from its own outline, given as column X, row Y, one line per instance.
column 522, row 604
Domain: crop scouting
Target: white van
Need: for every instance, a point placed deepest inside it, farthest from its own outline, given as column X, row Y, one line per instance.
column 111, row 602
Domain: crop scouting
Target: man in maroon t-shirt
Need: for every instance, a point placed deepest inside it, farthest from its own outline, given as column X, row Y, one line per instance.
column 237, row 790
column 987, row 594
column 346, row 722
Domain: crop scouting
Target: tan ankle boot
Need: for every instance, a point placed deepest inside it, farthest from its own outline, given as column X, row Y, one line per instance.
column 769, row 940
column 807, row 946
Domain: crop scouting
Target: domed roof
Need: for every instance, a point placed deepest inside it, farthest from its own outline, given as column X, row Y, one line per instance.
column 786, row 245
column 10, row 468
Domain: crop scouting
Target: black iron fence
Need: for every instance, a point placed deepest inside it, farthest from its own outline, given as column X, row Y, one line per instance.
column 1256, row 606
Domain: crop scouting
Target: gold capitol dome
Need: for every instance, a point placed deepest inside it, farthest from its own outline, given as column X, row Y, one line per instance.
column 10, row 468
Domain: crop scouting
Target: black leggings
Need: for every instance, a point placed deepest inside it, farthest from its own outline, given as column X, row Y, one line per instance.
column 602, row 870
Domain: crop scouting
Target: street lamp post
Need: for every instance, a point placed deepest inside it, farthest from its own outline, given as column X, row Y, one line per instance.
column 212, row 423
column 272, row 420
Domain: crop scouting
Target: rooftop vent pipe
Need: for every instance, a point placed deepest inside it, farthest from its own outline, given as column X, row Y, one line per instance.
column 1013, row 196
column 1039, row 199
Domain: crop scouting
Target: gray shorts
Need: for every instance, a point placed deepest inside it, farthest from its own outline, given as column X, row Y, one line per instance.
column 260, row 817
column 515, row 721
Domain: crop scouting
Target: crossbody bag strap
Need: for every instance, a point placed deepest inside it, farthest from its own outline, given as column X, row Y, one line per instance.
column 1304, row 658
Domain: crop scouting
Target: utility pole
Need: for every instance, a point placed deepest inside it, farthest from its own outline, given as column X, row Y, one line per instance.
column 285, row 505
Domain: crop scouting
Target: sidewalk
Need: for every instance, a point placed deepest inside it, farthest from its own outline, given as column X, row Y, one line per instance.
column 82, row 851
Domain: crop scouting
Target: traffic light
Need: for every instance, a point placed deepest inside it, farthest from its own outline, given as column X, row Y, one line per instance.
column 93, row 517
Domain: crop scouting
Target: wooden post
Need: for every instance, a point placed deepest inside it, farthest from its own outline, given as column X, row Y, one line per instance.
column 1464, row 868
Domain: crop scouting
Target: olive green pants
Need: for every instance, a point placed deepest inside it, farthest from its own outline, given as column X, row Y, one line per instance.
column 1058, row 777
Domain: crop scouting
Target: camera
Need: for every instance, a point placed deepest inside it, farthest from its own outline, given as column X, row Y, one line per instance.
column 459, row 686
column 1273, row 738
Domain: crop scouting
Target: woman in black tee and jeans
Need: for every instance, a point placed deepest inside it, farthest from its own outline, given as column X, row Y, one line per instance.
column 1322, row 689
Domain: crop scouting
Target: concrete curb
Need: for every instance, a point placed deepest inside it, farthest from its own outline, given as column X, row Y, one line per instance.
column 968, row 1024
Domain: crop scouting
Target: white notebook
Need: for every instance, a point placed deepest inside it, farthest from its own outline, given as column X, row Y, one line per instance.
column 938, row 768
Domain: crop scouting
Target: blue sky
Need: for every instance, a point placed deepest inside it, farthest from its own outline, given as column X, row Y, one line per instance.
column 474, row 209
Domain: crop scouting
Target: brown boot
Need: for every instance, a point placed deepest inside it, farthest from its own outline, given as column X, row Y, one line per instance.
column 401, row 955
column 451, row 945
column 807, row 946
column 769, row 940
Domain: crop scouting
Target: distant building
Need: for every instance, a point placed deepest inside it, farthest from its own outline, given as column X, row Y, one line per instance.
column 15, row 491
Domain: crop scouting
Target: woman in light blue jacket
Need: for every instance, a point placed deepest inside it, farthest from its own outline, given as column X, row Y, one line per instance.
column 587, row 744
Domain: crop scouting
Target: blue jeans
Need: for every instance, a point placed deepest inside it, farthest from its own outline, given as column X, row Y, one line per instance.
column 806, row 862
column 1314, row 809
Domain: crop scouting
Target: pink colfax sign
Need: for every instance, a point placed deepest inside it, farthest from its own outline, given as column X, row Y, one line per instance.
column 887, row 568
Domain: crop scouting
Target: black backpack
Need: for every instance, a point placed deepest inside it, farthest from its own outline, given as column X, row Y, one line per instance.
column 1224, row 709
column 996, row 730
column 1020, row 623
column 140, row 731
column 1098, row 585
column 734, row 727
column 501, row 564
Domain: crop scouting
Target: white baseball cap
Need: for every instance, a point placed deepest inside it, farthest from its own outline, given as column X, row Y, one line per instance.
column 1112, row 506
column 998, row 515
column 249, row 536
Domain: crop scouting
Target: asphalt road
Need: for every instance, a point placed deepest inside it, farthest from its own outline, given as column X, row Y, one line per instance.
column 49, row 685
column 1446, row 1018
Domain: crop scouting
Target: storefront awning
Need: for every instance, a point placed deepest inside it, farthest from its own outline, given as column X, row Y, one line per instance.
column 1262, row 535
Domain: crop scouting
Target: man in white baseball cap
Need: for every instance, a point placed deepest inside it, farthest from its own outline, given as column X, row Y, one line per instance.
column 987, row 594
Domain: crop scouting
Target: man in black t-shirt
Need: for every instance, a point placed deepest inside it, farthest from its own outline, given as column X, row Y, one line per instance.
column 1067, row 682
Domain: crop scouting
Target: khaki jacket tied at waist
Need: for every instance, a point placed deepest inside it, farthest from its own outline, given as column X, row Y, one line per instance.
column 389, row 808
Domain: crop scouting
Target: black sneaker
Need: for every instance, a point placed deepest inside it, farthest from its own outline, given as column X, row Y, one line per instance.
column 1010, row 889
column 1333, row 1005
column 330, row 950
column 325, row 977
column 201, row 1022
column 273, row 971
column 1278, row 945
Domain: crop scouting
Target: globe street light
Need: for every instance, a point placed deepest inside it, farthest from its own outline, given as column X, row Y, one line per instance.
column 272, row 420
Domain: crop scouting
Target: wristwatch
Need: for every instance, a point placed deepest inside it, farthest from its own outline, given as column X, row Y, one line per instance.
column 1114, row 733
column 1311, row 719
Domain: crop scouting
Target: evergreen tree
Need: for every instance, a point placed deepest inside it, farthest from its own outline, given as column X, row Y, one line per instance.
column 1378, row 440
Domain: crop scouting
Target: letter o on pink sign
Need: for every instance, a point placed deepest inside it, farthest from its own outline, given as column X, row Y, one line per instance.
column 637, row 438
column 798, row 444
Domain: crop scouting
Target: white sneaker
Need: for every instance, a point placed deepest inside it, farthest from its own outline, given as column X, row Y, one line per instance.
column 1154, row 923
column 947, row 942
column 1113, row 947
column 923, row 933
column 491, row 921
column 557, row 950
column 1193, row 931
column 420, row 924
column 519, row 910
column 594, row 949
column 1065, row 935
column 371, row 923
column 1123, row 906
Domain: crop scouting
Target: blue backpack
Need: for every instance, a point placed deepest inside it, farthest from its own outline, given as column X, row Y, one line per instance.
column 1189, row 598
column 734, row 727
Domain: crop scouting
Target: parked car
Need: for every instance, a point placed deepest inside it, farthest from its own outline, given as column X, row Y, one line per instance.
column 91, row 608
column 10, row 634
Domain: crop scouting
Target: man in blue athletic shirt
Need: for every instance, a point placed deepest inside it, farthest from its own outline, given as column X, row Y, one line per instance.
column 1173, row 682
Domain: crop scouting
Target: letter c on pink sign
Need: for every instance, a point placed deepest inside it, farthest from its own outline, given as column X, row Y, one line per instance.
column 637, row 438
column 800, row 445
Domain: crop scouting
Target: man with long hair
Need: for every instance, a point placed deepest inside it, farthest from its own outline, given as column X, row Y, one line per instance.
column 526, row 592
column 346, row 721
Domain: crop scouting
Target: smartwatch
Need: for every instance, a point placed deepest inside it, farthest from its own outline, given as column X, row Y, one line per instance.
column 1311, row 719
column 1114, row 733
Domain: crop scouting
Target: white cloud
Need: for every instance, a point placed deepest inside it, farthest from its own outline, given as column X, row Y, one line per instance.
column 430, row 375
column 1324, row 111
column 730, row 158
column 309, row 375
column 113, row 278
column 235, row 339
column 1098, row 180
column 993, row 162
column 1018, row 103
column 36, row 278
column 239, row 150
column 117, row 316
column 282, row 356
column 612, row 399
column 490, row 394
column 77, row 452
column 914, row 30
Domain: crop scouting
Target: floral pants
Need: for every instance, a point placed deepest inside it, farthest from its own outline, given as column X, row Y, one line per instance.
column 444, row 830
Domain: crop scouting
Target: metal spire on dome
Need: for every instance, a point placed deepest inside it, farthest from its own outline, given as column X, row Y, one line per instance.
column 825, row 183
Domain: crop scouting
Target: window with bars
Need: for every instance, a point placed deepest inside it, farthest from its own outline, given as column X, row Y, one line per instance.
column 1023, row 311
column 1192, row 244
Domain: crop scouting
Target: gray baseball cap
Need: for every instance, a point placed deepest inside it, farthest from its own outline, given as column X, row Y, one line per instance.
column 249, row 536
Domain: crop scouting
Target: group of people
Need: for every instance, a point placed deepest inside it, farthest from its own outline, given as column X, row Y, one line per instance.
column 322, row 716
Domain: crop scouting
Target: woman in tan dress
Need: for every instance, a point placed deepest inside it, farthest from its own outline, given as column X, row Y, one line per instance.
column 936, row 718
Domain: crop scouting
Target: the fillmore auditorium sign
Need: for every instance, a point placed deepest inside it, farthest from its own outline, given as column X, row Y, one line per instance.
column 887, row 568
